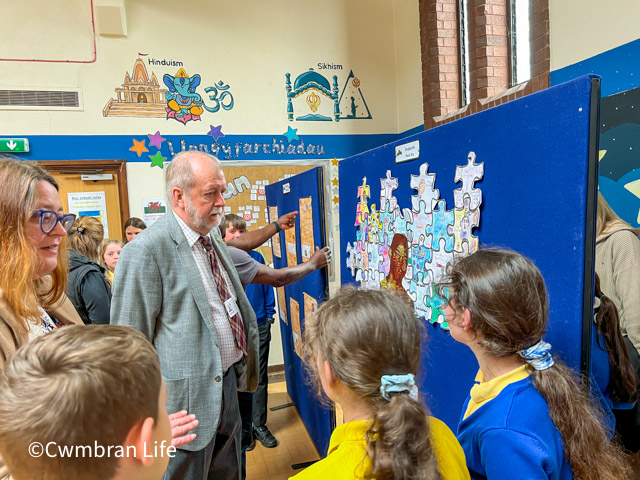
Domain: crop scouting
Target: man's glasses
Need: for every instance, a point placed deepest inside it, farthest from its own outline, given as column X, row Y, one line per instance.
column 48, row 220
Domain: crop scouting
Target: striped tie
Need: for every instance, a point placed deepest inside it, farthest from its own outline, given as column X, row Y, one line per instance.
column 236, row 322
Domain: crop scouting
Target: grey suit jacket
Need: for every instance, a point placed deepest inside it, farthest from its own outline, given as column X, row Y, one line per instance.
column 158, row 290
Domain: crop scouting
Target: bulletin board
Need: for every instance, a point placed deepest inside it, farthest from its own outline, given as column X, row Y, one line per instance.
column 246, row 192
column 299, row 301
column 526, row 173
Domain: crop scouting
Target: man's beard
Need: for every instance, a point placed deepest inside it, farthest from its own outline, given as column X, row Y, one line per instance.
column 203, row 221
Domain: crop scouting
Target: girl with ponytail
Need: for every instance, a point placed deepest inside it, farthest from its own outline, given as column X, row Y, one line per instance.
column 363, row 348
column 527, row 416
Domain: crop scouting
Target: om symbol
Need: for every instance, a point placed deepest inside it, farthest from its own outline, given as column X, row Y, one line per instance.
column 220, row 102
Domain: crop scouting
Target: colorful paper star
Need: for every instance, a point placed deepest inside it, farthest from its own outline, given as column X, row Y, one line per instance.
column 334, row 162
column 334, row 182
column 216, row 132
column 156, row 140
column 139, row 147
column 336, row 200
column 157, row 160
column 291, row 134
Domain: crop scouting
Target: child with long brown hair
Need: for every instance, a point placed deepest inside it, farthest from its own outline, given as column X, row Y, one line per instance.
column 364, row 348
column 527, row 415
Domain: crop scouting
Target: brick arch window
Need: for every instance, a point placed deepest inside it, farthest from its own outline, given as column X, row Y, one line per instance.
column 448, row 92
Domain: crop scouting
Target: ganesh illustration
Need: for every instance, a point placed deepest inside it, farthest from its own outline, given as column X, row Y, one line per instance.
column 185, row 104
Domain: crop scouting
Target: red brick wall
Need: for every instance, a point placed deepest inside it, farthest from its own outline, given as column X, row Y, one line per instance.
column 489, row 55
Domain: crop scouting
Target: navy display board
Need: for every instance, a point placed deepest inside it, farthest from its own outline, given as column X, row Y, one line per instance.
column 286, row 195
column 538, row 198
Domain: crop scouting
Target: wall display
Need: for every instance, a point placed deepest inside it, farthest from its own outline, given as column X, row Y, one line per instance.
column 619, row 175
column 411, row 249
column 246, row 195
column 296, row 331
column 306, row 228
column 303, row 297
column 275, row 240
column 291, row 246
column 90, row 204
column 309, row 88
column 522, row 176
column 141, row 95
column 153, row 208
column 282, row 305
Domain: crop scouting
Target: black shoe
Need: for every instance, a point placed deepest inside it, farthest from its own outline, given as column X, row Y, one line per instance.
column 251, row 446
column 265, row 437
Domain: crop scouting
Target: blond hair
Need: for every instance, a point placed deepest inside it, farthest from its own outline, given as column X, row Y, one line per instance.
column 507, row 299
column 364, row 335
column 607, row 221
column 79, row 385
column 18, row 259
column 85, row 237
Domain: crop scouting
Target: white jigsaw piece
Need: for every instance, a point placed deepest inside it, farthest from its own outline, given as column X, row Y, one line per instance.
column 417, row 222
column 468, row 175
column 464, row 220
column 424, row 183
column 387, row 186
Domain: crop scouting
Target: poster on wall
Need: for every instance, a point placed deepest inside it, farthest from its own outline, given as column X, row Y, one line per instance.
column 306, row 228
column 290, row 240
column 282, row 305
column 153, row 208
column 296, row 331
column 310, row 308
column 411, row 249
column 275, row 240
column 90, row 204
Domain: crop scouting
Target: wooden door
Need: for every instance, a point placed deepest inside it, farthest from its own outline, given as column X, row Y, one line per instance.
column 68, row 175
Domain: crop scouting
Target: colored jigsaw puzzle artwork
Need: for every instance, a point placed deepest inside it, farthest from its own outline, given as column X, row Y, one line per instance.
column 410, row 250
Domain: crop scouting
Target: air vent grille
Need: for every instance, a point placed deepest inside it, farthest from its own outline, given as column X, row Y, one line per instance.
column 40, row 99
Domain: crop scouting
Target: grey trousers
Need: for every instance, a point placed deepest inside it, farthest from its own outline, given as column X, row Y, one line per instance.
column 220, row 459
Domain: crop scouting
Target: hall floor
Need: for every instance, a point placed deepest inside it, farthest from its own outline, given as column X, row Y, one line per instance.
column 295, row 444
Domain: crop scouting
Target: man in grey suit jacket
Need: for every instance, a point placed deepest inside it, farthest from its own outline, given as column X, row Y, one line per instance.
column 165, row 288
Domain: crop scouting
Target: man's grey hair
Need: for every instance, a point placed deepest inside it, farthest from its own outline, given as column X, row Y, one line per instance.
column 180, row 172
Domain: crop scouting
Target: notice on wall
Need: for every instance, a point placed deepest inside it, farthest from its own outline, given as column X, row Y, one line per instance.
column 153, row 208
column 306, row 228
column 296, row 331
column 275, row 240
column 90, row 204
column 292, row 250
column 310, row 307
column 282, row 304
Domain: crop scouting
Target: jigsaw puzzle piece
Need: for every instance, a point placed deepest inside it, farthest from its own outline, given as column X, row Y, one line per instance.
column 439, row 229
column 424, row 183
column 417, row 222
column 468, row 175
column 387, row 186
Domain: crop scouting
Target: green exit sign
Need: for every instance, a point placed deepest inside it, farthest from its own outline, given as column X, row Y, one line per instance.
column 14, row 145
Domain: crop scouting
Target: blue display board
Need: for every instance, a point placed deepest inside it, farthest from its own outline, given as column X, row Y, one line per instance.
column 538, row 198
column 295, row 194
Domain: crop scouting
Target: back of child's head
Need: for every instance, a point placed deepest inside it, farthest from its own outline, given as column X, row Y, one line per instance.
column 623, row 382
column 86, row 236
column 506, row 297
column 77, row 386
column 365, row 335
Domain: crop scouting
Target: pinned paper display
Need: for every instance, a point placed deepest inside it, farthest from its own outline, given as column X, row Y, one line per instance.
column 411, row 250
column 306, row 228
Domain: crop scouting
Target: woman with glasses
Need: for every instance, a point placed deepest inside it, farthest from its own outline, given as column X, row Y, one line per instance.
column 88, row 287
column 33, row 228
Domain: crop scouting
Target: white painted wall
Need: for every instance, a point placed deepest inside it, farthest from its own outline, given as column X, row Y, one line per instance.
column 580, row 29
column 248, row 44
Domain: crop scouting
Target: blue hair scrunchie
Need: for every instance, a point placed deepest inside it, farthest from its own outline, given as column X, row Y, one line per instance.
column 538, row 356
column 398, row 384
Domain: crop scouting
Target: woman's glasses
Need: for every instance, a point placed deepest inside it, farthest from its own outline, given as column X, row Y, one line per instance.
column 48, row 220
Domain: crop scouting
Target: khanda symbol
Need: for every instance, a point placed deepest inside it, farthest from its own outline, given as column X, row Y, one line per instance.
column 313, row 101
